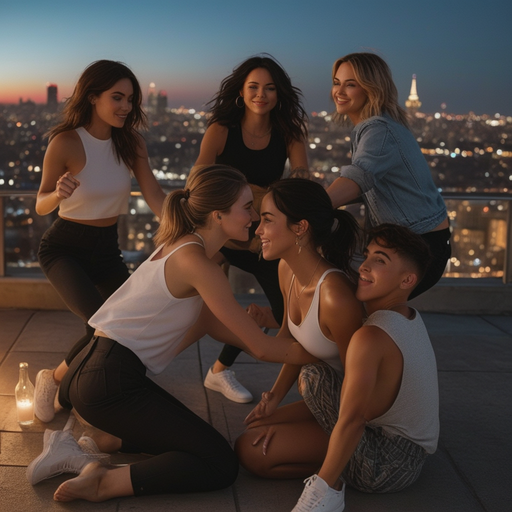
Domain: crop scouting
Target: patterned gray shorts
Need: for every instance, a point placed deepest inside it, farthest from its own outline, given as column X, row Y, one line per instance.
column 382, row 462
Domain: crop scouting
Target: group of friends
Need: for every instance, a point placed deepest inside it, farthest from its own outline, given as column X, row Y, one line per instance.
column 360, row 355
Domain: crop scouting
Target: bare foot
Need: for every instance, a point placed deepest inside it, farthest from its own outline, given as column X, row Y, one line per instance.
column 85, row 486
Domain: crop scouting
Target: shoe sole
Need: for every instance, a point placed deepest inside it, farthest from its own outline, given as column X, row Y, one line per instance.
column 42, row 417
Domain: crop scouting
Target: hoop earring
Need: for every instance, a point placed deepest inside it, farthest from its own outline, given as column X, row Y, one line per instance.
column 236, row 102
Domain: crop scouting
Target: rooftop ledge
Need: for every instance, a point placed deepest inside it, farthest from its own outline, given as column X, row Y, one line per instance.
column 485, row 296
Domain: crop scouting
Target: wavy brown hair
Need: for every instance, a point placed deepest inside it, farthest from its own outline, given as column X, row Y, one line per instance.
column 374, row 76
column 288, row 116
column 97, row 78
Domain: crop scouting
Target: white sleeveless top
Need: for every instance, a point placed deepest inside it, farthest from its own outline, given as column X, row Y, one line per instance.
column 415, row 412
column 105, row 183
column 310, row 335
column 145, row 317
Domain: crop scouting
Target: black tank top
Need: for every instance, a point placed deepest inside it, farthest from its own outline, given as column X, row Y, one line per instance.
column 262, row 166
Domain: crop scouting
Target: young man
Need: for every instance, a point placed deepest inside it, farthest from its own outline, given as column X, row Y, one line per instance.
column 388, row 420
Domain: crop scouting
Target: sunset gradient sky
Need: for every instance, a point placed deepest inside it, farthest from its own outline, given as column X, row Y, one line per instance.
column 461, row 51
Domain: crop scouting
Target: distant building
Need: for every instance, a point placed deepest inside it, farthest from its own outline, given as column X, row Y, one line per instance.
column 161, row 103
column 51, row 101
column 413, row 103
column 152, row 100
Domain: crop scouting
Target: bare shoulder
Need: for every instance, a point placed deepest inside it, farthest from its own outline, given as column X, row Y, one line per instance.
column 65, row 140
column 66, row 152
column 370, row 339
column 212, row 144
column 337, row 290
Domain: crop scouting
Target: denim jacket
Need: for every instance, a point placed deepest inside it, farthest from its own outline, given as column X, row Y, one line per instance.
column 393, row 175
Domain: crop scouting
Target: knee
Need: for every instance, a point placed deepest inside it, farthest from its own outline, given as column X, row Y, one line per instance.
column 251, row 457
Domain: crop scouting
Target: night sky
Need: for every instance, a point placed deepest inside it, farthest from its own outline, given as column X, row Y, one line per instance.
column 461, row 51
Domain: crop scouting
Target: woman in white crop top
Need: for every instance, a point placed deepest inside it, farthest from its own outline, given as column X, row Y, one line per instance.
column 173, row 299
column 87, row 175
column 315, row 244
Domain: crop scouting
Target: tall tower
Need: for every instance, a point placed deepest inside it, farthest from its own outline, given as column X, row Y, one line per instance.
column 151, row 106
column 413, row 103
column 51, row 101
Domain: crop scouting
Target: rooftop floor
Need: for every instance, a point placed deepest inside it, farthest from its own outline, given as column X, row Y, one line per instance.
column 470, row 472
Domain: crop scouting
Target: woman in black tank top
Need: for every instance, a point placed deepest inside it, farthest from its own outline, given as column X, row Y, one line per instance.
column 257, row 123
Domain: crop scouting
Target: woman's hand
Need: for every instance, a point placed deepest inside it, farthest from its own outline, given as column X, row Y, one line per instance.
column 263, row 316
column 66, row 185
column 267, row 432
column 268, row 404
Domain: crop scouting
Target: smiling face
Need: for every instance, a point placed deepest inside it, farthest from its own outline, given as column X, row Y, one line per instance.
column 111, row 107
column 348, row 95
column 241, row 215
column 384, row 275
column 276, row 236
column 259, row 92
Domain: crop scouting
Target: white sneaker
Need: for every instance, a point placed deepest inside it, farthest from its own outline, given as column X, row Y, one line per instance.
column 61, row 454
column 225, row 382
column 317, row 495
column 44, row 396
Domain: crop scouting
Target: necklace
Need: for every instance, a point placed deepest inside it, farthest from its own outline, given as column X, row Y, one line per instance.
column 200, row 238
column 256, row 136
column 310, row 279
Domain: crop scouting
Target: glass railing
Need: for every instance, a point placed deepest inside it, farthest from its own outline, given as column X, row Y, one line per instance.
column 481, row 235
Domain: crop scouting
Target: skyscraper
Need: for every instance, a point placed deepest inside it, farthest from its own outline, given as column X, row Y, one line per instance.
column 51, row 101
column 413, row 103
column 152, row 101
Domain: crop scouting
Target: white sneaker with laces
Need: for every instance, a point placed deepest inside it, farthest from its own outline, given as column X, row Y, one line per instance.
column 317, row 495
column 225, row 382
column 61, row 454
column 45, row 392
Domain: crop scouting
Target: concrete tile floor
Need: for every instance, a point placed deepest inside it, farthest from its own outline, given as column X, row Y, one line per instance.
column 471, row 471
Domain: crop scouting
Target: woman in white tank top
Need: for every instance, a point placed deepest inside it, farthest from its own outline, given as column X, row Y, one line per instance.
column 174, row 298
column 315, row 244
column 87, row 169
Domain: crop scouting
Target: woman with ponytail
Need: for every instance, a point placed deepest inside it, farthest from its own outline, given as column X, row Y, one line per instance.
column 173, row 299
column 315, row 244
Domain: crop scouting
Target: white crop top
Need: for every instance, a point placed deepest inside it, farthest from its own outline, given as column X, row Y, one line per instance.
column 145, row 317
column 310, row 335
column 105, row 183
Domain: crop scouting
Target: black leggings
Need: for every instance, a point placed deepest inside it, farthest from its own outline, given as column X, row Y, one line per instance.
column 85, row 266
column 110, row 390
column 439, row 243
column 267, row 276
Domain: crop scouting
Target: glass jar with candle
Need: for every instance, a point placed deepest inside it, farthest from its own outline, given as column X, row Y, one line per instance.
column 24, row 393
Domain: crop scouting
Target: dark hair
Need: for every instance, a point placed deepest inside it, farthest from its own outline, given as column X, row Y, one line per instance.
column 209, row 188
column 97, row 78
column 374, row 76
column 289, row 117
column 407, row 244
column 335, row 232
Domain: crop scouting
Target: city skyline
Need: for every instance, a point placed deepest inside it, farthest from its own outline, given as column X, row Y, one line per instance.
column 460, row 56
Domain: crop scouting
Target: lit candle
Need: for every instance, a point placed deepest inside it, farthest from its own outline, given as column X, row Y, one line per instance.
column 25, row 412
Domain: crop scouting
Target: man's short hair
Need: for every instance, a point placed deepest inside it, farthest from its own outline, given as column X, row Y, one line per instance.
column 409, row 245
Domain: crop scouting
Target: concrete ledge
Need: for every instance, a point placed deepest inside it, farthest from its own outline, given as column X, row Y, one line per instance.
column 486, row 296
column 29, row 293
